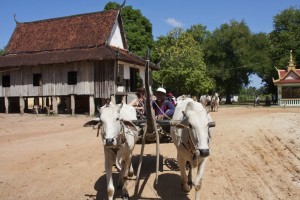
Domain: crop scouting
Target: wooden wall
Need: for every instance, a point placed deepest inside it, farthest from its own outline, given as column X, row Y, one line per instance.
column 54, row 80
column 104, row 77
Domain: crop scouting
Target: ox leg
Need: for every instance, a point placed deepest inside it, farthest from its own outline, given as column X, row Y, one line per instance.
column 184, row 179
column 131, row 172
column 123, row 177
column 109, row 161
column 198, row 179
column 190, row 174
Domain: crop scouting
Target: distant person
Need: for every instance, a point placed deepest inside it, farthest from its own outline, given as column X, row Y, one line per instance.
column 139, row 103
column 171, row 98
column 274, row 100
column 256, row 101
column 267, row 101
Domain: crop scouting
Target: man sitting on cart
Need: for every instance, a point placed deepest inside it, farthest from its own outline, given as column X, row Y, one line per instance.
column 163, row 107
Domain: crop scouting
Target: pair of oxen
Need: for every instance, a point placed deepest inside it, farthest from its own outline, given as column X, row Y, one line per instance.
column 190, row 131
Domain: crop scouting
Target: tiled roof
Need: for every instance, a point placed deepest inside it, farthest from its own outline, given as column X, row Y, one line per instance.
column 71, row 55
column 283, row 74
column 78, row 31
column 67, row 39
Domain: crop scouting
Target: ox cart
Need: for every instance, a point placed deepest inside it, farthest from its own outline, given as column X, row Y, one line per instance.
column 151, row 129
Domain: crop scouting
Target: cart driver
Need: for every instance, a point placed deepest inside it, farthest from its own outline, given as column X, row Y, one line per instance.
column 163, row 107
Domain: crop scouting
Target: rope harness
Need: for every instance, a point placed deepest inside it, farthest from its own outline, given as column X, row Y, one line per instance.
column 190, row 146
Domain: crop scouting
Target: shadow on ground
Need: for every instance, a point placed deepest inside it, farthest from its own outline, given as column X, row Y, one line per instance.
column 168, row 187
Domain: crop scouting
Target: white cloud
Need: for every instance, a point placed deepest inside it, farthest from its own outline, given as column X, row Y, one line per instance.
column 173, row 22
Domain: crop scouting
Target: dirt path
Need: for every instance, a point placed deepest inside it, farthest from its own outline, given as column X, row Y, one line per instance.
column 255, row 155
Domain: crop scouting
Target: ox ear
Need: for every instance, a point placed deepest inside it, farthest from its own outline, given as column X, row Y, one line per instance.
column 129, row 124
column 92, row 122
column 211, row 124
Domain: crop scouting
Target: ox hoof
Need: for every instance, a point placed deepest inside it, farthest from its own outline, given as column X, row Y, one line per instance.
column 186, row 187
column 125, row 197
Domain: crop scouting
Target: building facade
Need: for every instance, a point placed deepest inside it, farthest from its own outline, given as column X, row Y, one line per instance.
column 68, row 65
column 288, row 85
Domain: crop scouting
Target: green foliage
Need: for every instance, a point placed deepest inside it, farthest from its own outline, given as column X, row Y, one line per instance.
column 261, row 60
column 199, row 33
column 248, row 94
column 138, row 29
column 1, row 52
column 183, row 70
column 229, row 56
column 285, row 37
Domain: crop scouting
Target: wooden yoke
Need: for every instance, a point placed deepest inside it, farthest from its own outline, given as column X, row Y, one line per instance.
column 149, row 110
column 150, row 125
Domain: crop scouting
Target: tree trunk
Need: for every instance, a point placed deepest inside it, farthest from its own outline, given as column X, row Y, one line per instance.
column 228, row 99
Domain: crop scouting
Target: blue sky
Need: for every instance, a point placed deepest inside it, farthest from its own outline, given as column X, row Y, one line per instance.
column 163, row 14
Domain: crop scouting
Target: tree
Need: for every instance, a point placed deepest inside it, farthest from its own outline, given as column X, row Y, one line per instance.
column 228, row 57
column 1, row 52
column 285, row 37
column 138, row 29
column 261, row 60
column 199, row 33
column 183, row 70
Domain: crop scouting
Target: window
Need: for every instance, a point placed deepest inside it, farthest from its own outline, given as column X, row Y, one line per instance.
column 135, row 79
column 120, row 75
column 37, row 79
column 6, row 81
column 72, row 78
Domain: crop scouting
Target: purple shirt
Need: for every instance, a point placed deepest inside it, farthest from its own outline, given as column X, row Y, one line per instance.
column 166, row 108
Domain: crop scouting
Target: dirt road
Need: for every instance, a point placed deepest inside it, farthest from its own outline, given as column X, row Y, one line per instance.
column 255, row 155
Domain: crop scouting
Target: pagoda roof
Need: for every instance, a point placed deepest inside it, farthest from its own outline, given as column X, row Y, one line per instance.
column 289, row 76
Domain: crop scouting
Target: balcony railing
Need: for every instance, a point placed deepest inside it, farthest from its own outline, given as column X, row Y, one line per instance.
column 289, row 102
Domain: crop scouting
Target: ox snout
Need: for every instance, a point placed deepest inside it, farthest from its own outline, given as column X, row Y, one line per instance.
column 109, row 142
column 204, row 152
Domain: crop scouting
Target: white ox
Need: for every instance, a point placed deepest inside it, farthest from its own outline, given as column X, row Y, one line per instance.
column 119, row 136
column 205, row 100
column 215, row 102
column 191, row 138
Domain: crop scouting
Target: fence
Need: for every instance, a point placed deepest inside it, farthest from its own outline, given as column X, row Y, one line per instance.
column 289, row 102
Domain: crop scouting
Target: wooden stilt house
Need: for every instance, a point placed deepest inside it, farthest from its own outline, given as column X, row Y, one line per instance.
column 68, row 65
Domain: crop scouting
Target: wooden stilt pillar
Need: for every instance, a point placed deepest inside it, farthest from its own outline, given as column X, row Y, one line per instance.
column 54, row 105
column 26, row 104
column 6, row 104
column 22, row 105
column 73, row 104
column 92, row 105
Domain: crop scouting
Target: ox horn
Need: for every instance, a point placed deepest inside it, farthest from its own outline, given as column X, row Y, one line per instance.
column 211, row 124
